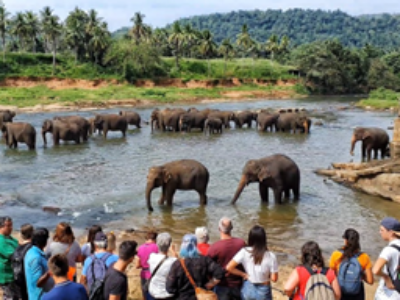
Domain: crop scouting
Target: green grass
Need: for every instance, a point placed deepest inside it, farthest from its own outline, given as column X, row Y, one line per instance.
column 381, row 99
column 26, row 97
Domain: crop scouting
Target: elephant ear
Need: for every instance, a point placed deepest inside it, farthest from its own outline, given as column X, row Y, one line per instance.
column 167, row 176
column 366, row 135
column 263, row 174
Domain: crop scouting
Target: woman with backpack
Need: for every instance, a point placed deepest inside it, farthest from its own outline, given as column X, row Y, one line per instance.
column 387, row 264
column 260, row 265
column 352, row 267
column 311, row 280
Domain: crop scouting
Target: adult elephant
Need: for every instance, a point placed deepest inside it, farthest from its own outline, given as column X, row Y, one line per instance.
column 111, row 122
column 15, row 133
column 278, row 172
column 7, row 115
column 214, row 125
column 61, row 130
column 372, row 138
column 183, row 174
column 244, row 117
column 267, row 121
column 132, row 117
column 166, row 119
column 82, row 123
column 224, row 116
column 293, row 122
column 191, row 120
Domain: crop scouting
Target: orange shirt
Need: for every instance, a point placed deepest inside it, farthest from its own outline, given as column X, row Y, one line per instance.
column 335, row 261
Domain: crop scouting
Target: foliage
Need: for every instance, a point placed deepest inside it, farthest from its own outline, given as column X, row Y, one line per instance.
column 381, row 98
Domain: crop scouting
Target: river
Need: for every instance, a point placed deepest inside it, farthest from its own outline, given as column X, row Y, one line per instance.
column 103, row 181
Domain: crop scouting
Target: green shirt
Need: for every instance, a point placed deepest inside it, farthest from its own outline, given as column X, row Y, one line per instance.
column 8, row 244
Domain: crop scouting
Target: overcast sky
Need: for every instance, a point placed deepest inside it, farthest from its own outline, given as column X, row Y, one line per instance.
column 160, row 12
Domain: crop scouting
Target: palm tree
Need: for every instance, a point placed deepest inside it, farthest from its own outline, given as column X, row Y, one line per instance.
column 207, row 47
column 226, row 50
column 75, row 30
column 45, row 14
column 176, row 39
column 284, row 45
column 139, row 30
column 20, row 29
column 244, row 39
column 272, row 45
column 3, row 28
column 254, row 51
column 190, row 37
column 99, row 41
column 33, row 27
column 52, row 30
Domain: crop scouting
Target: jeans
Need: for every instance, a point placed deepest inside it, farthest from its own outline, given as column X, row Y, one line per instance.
column 252, row 291
column 227, row 293
column 146, row 294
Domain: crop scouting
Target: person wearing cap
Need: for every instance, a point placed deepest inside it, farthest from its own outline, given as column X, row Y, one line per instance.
column 202, row 240
column 388, row 261
column 350, row 249
column 100, row 253
column 205, row 272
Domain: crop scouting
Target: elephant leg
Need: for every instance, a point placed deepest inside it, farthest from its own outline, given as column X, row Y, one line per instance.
column 369, row 152
column 278, row 194
column 123, row 132
column 263, row 192
column 287, row 193
column 363, row 150
column 203, row 197
column 169, row 195
column 383, row 152
column 376, row 153
column 162, row 197
column 105, row 131
column 296, row 191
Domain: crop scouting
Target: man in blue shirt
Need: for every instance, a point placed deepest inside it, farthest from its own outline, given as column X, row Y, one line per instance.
column 64, row 289
column 37, row 276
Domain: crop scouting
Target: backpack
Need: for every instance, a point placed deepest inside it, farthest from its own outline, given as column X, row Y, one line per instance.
column 17, row 263
column 395, row 279
column 350, row 275
column 318, row 286
column 96, row 276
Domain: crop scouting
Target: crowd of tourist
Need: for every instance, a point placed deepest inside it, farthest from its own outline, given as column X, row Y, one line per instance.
column 230, row 268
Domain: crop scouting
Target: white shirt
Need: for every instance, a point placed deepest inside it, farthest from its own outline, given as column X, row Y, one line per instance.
column 158, row 282
column 257, row 273
column 391, row 255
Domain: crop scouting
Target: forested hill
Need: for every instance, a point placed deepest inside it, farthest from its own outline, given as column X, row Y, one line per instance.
column 304, row 26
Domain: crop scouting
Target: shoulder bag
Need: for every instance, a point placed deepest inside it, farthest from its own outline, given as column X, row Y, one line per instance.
column 147, row 284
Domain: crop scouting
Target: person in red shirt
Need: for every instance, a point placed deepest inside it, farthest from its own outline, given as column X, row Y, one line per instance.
column 202, row 240
column 222, row 252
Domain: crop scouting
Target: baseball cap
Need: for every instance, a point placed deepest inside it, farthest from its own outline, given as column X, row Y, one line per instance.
column 100, row 237
column 391, row 224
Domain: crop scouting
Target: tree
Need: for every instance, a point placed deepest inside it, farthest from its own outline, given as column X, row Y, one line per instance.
column 272, row 46
column 139, row 31
column 99, row 41
column 190, row 38
column 32, row 28
column 20, row 29
column 227, row 51
column 244, row 41
column 75, row 26
column 3, row 28
column 45, row 14
column 207, row 47
column 176, row 39
column 52, row 30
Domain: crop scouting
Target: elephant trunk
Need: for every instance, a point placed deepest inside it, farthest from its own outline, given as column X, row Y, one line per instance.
column 180, row 124
column 149, row 189
column 242, row 184
column 306, row 127
column 152, row 124
column 44, row 137
column 353, row 144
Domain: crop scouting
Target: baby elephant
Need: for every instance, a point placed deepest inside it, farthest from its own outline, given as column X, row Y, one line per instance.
column 214, row 125
column 15, row 133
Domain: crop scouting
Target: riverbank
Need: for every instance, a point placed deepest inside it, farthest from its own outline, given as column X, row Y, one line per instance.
column 381, row 99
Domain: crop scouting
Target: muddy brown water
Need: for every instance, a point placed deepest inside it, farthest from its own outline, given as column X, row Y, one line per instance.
column 103, row 181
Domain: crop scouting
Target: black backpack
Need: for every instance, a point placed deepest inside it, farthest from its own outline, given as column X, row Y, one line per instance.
column 395, row 277
column 17, row 263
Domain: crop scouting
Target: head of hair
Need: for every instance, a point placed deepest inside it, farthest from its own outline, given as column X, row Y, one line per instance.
column 225, row 225
column 58, row 265
column 311, row 254
column 91, row 234
column 26, row 231
column 63, row 233
column 258, row 241
column 127, row 250
column 151, row 235
column 4, row 220
column 352, row 246
column 39, row 237
column 164, row 242
column 111, row 241
column 189, row 247
column 202, row 235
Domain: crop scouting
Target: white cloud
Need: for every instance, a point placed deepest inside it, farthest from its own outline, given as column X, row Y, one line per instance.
column 160, row 12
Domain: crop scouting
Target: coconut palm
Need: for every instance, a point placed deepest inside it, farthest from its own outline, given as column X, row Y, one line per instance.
column 75, row 26
column 190, row 38
column 33, row 27
column 139, row 30
column 244, row 40
column 272, row 45
column 3, row 28
column 20, row 29
column 99, row 41
column 284, row 45
column 45, row 14
column 227, row 51
column 207, row 47
column 52, row 30
column 176, row 40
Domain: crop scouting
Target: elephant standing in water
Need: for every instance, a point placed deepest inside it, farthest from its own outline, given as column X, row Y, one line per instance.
column 132, row 117
column 177, row 175
column 15, row 133
column 372, row 139
column 244, row 117
column 83, row 124
column 293, row 121
column 166, row 119
column 7, row 115
column 111, row 123
column 267, row 121
column 61, row 130
column 214, row 125
column 278, row 172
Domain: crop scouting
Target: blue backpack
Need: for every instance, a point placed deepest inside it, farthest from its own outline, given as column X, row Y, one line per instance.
column 97, row 270
column 350, row 275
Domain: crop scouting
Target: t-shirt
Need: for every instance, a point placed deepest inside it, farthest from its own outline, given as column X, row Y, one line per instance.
column 257, row 273
column 157, row 283
column 336, row 257
column 304, row 275
column 8, row 244
column 391, row 255
column 116, row 283
column 67, row 291
column 88, row 261
column 222, row 252
column 60, row 248
column 86, row 250
column 203, row 248
column 143, row 253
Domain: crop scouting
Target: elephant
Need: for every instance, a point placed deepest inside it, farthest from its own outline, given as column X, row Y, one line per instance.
column 214, row 125
column 19, row 132
column 166, row 119
column 132, row 117
column 278, row 172
column 244, row 117
column 192, row 120
column 192, row 109
column 111, row 123
column 183, row 174
column 83, row 124
column 293, row 121
column 7, row 115
column 267, row 121
column 224, row 116
column 61, row 130
column 372, row 139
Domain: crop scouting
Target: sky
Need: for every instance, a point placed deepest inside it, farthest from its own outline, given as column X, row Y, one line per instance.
column 161, row 12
